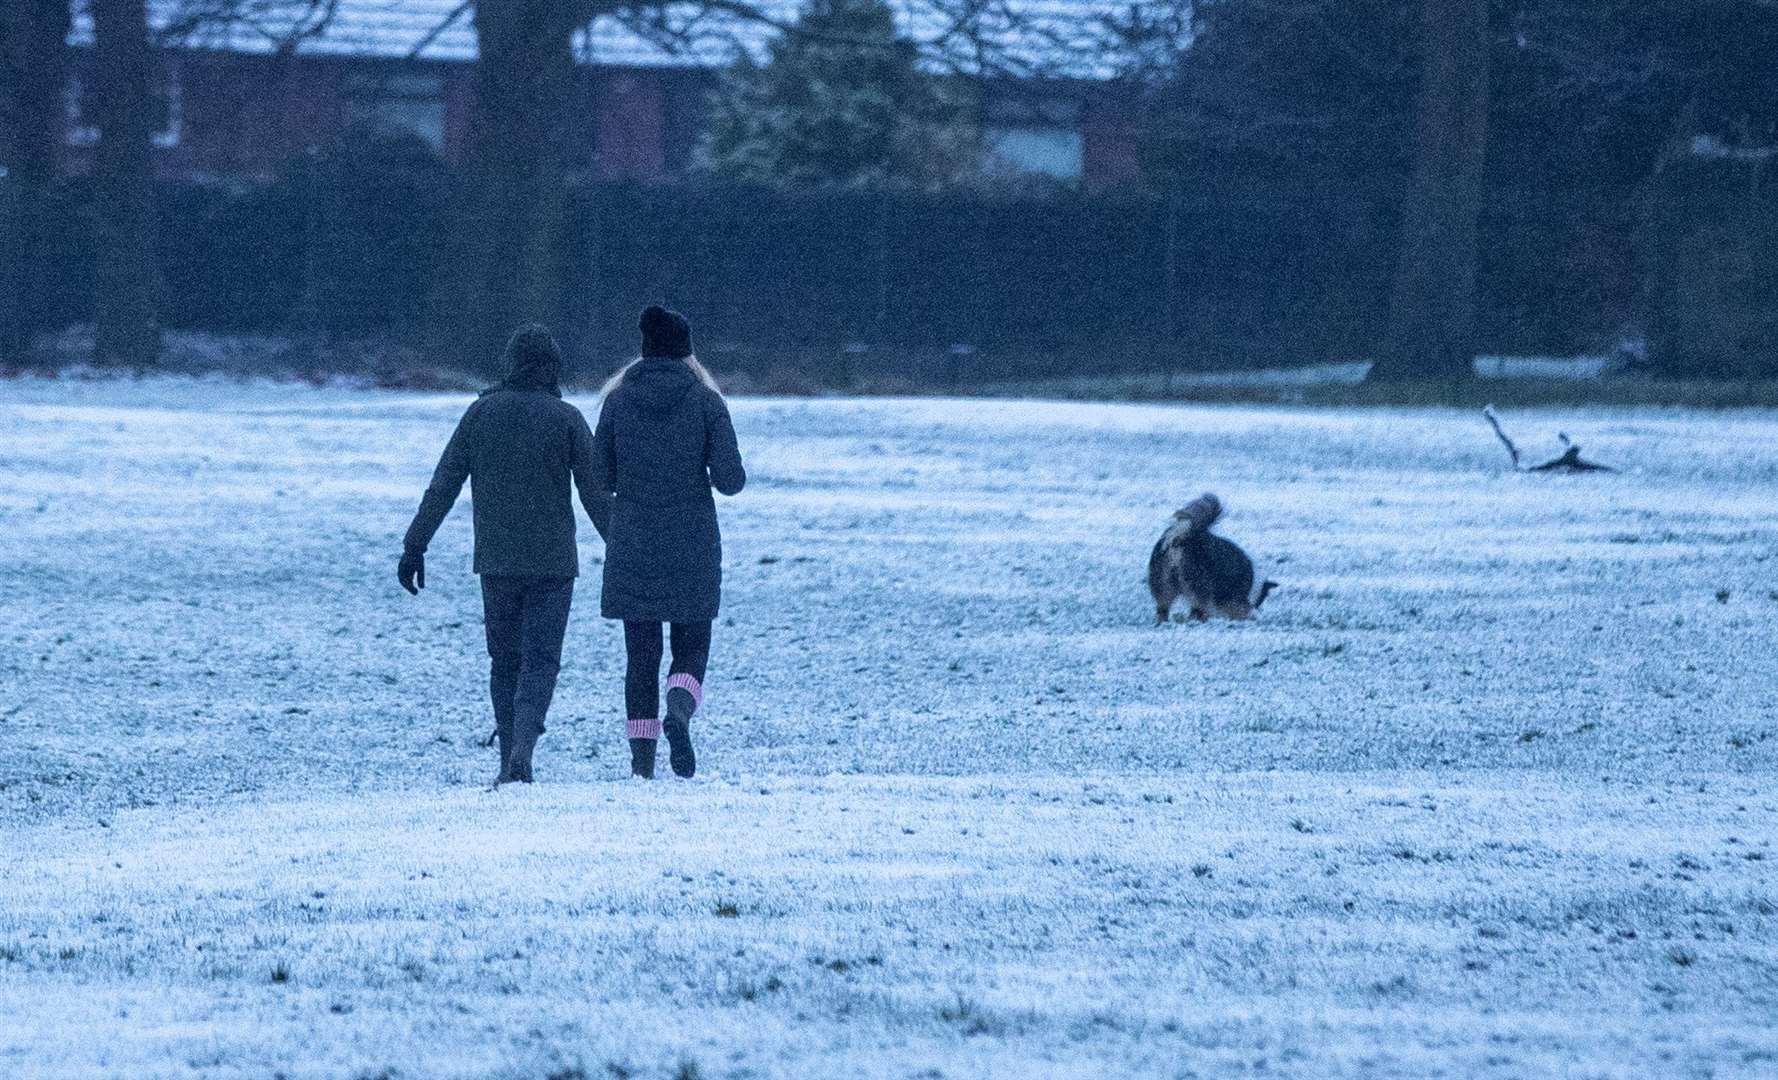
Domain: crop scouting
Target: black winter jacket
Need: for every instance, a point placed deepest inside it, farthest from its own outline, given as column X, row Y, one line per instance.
column 664, row 440
column 518, row 446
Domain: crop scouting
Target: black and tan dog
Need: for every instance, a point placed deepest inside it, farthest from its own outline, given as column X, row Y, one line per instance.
column 1211, row 573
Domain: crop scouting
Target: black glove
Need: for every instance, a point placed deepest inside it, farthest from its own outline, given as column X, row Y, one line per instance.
column 412, row 572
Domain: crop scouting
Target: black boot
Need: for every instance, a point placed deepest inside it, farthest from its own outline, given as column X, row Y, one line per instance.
column 677, row 728
column 504, row 776
column 642, row 758
column 518, row 763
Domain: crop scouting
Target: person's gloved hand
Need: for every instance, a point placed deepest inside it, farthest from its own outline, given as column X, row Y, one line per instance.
column 412, row 572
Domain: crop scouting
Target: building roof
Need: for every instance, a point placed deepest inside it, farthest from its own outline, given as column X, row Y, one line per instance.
column 1055, row 37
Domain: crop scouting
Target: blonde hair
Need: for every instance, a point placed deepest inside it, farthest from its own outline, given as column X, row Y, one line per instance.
column 697, row 369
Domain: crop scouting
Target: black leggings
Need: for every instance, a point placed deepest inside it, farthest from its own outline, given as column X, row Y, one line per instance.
column 642, row 678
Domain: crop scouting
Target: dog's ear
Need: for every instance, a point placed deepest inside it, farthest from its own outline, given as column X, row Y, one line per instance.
column 1180, row 514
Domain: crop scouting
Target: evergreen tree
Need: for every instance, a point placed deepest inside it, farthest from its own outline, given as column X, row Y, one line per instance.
column 840, row 99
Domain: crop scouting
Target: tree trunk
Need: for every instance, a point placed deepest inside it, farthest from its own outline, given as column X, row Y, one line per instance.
column 33, row 74
column 503, row 262
column 1432, row 298
column 126, row 284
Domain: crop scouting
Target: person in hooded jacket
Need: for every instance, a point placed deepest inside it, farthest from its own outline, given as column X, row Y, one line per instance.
column 519, row 445
column 663, row 441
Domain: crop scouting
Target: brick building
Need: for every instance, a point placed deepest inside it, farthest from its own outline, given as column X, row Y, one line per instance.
column 239, row 101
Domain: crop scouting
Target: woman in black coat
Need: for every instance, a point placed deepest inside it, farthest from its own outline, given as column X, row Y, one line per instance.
column 664, row 439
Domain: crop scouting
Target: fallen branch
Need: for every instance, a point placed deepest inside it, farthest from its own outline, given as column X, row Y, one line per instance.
column 1570, row 461
column 1494, row 421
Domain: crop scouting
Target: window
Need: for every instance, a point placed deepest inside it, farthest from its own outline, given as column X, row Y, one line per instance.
column 81, row 107
column 397, row 104
column 1053, row 152
column 1029, row 136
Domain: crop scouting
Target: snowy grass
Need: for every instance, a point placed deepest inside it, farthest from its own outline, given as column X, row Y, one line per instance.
column 1527, row 382
column 885, row 926
column 1486, row 789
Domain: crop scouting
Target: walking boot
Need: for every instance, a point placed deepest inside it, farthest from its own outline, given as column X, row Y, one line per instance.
column 683, row 696
column 504, row 776
column 518, row 764
column 642, row 758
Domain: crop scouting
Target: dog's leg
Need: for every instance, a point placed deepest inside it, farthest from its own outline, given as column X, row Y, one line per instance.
column 1159, row 585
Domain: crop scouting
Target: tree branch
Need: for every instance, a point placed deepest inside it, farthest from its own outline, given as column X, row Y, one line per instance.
column 1569, row 461
column 437, row 31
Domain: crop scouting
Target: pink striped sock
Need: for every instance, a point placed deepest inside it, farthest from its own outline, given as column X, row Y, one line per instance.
column 689, row 684
column 644, row 728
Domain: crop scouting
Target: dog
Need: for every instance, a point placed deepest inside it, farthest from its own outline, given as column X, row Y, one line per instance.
column 1211, row 573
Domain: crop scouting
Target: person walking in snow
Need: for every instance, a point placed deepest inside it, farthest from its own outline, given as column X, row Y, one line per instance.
column 663, row 441
column 518, row 445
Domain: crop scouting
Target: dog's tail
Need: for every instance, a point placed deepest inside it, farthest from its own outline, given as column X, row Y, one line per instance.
column 1201, row 512
column 1265, row 590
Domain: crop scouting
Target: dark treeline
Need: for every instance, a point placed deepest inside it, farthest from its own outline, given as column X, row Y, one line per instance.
column 1264, row 270
column 1322, row 180
column 1636, row 136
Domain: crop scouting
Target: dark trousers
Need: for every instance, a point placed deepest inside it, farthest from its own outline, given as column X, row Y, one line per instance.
column 526, row 619
column 642, row 676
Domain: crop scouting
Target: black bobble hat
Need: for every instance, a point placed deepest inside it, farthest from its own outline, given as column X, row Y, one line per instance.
column 665, row 333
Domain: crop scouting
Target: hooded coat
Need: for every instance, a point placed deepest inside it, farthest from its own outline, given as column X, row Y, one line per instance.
column 664, row 439
column 518, row 445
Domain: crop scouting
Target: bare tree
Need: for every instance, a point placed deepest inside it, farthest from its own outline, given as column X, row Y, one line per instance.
column 1347, row 89
column 1675, row 98
column 127, row 280
column 127, row 284
column 1433, row 297
column 503, row 264
column 33, row 72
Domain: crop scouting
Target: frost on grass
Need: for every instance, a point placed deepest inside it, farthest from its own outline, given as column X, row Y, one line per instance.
column 1486, row 792
column 867, row 925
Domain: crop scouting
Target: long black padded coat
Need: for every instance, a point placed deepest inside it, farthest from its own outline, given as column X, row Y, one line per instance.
column 664, row 439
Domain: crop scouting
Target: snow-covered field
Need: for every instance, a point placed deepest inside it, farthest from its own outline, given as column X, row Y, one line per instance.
column 1486, row 790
